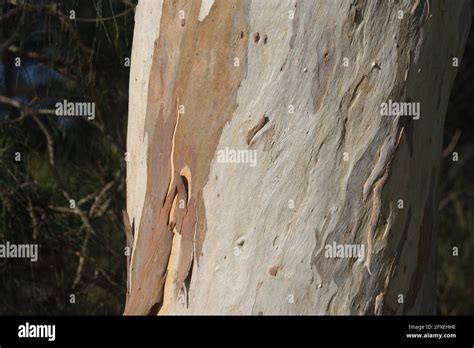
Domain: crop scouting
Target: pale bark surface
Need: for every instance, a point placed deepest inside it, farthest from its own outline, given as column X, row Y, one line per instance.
column 238, row 245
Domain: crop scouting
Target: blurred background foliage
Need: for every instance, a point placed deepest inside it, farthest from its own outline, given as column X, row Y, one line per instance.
column 456, row 195
column 71, row 158
column 81, row 249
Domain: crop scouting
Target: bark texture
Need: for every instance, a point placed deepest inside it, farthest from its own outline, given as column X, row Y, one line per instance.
column 271, row 77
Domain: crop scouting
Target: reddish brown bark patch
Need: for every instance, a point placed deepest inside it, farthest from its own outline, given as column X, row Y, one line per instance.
column 193, row 67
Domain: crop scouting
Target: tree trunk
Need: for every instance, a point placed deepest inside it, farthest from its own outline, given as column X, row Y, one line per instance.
column 263, row 175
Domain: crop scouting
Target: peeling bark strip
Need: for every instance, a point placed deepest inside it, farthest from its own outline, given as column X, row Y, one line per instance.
column 129, row 235
column 254, row 130
column 301, row 82
column 387, row 153
column 192, row 92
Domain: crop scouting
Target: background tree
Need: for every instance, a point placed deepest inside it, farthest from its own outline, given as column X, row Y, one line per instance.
column 78, row 56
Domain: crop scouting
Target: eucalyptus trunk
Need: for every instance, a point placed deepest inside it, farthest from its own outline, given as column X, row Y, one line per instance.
column 283, row 156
